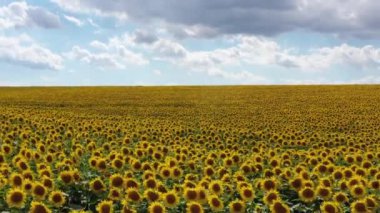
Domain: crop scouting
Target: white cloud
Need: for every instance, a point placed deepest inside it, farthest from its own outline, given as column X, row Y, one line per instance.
column 23, row 51
column 104, row 60
column 20, row 14
column 115, row 54
column 74, row 20
column 251, row 50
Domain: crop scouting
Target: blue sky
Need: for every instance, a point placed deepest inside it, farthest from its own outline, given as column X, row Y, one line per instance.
column 196, row 42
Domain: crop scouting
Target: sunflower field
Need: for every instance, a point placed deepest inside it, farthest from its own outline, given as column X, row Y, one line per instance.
column 190, row 149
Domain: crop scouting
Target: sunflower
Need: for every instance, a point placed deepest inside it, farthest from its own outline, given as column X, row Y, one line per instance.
column 247, row 194
column 330, row 207
column 358, row 191
column 15, row 198
column 105, row 206
column 66, row 177
column 117, row 164
column 324, row 192
column 97, row 185
column 340, row 197
column 27, row 186
column 237, row 206
column 269, row 184
column 216, row 187
column 133, row 195
column 208, row 171
column 48, row 183
column 151, row 195
column 150, row 183
column 215, row 203
column 190, row 194
column 170, row 199
column 279, row 207
column 372, row 202
column 201, row 195
column 374, row 184
column 194, row 207
column 101, row 164
column 57, row 198
column 16, row 180
column 359, row 206
column 156, row 207
column 337, row 175
column 115, row 194
column 39, row 191
column 307, row 194
column 38, row 207
column 175, row 173
column 117, row 181
column 270, row 197
column 131, row 183
column 297, row 183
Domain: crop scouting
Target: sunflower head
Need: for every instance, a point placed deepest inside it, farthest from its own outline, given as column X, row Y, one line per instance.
column 358, row 206
column 307, row 194
column 115, row 194
column 330, row 207
column 97, row 185
column 170, row 199
column 237, row 206
column 151, row 195
column 38, row 207
column 358, row 191
column 279, row 207
column 216, row 187
column 340, row 197
column 156, row 207
column 15, row 198
column 133, row 195
column 39, row 191
column 194, row 207
column 271, row 196
column 269, row 184
column 117, row 181
column 201, row 194
column 16, row 180
column 190, row 194
column 57, row 198
column 246, row 193
column 215, row 203
column 105, row 206
column 324, row 192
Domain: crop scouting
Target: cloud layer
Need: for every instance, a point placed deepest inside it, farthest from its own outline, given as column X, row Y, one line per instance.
column 346, row 18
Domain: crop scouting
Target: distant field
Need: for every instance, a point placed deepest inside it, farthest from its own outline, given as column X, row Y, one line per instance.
column 194, row 149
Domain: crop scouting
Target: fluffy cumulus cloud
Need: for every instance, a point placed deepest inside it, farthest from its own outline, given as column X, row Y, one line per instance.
column 19, row 14
column 353, row 18
column 114, row 54
column 235, row 63
column 252, row 50
column 23, row 51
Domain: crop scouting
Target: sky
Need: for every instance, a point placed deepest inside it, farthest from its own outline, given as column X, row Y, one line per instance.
column 193, row 42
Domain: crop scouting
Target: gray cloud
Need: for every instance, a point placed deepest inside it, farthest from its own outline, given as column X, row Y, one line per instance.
column 143, row 36
column 43, row 18
column 263, row 17
column 19, row 14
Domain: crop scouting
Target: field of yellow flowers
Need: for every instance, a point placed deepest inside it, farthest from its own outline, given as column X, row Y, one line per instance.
column 190, row 149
